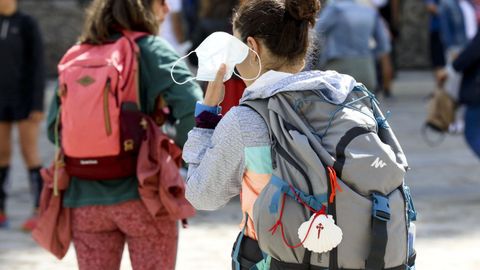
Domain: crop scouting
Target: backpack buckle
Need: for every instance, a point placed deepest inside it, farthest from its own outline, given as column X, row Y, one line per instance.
column 380, row 207
column 128, row 145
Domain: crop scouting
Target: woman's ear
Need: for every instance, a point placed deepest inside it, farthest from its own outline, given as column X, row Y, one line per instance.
column 255, row 46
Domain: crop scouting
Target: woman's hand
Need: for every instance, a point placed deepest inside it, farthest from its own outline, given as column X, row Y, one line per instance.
column 216, row 90
column 441, row 75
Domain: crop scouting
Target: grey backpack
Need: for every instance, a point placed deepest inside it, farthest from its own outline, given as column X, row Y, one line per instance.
column 337, row 159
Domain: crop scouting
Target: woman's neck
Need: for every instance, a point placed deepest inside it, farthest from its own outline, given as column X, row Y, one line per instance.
column 284, row 68
column 291, row 68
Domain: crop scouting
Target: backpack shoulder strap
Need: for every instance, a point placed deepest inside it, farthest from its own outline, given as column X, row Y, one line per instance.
column 258, row 105
column 132, row 66
column 133, row 37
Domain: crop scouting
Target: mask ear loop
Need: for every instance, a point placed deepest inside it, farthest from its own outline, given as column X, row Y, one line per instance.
column 175, row 64
column 259, row 68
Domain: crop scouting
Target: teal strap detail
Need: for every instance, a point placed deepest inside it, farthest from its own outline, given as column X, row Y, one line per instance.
column 263, row 264
column 236, row 252
column 349, row 104
column 314, row 201
column 412, row 213
column 382, row 122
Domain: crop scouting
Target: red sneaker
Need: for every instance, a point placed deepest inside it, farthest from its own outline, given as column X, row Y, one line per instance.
column 3, row 220
column 30, row 223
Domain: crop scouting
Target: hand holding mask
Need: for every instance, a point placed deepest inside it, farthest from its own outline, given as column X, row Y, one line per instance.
column 217, row 49
column 216, row 90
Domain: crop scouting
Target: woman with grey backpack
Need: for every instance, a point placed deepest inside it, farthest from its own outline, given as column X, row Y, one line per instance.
column 308, row 203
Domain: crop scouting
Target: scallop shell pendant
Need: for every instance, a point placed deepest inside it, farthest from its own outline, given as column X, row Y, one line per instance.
column 324, row 235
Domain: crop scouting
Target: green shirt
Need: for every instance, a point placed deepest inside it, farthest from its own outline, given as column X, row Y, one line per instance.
column 156, row 60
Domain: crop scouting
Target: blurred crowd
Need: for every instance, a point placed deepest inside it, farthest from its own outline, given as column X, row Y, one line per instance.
column 348, row 34
column 354, row 37
column 374, row 28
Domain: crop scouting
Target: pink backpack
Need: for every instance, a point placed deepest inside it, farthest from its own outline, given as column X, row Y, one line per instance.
column 100, row 121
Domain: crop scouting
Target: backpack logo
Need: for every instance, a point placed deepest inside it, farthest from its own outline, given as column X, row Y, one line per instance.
column 88, row 162
column 86, row 81
column 378, row 163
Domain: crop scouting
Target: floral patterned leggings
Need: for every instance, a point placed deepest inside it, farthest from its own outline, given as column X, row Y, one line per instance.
column 100, row 233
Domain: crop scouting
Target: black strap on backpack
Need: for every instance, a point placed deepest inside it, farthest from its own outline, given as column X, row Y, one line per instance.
column 380, row 210
column 379, row 235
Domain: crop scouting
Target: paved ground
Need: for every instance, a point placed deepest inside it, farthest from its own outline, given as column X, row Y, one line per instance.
column 445, row 182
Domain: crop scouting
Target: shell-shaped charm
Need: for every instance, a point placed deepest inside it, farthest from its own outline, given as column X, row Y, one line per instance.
column 324, row 235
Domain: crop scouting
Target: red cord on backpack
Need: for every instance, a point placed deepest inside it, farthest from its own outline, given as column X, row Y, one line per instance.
column 279, row 223
column 334, row 187
column 332, row 175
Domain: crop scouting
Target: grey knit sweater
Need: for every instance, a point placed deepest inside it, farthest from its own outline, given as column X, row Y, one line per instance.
column 218, row 158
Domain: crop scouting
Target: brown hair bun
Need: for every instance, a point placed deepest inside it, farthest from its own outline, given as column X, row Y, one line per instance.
column 303, row 10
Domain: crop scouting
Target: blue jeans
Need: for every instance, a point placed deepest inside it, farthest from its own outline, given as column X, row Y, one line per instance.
column 472, row 128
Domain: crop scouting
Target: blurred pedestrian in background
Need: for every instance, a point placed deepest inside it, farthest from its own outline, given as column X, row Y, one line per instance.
column 468, row 63
column 106, row 214
column 190, row 16
column 437, row 51
column 387, row 64
column 173, row 29
column 458, row 25
column 390, row 11
column 22, row 83
column 346, row 29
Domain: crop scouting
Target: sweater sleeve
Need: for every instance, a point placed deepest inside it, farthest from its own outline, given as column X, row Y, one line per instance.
column 157, row 59
column 34, row 63
column 215, row 164
column 470, row 56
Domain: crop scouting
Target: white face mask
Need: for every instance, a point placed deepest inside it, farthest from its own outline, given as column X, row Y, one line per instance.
column 219, row 48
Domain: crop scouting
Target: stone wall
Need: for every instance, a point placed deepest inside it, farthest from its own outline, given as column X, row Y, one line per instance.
column 61, row 22
column 412, row 50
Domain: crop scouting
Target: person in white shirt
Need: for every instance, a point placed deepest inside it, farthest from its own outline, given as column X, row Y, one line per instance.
column 172, row 28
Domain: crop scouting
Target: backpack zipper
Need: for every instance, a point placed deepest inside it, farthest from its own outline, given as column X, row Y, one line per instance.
column 106, row 111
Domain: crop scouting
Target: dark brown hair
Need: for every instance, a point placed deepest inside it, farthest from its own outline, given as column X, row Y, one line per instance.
column 217, row 9
column 105, row 17
column 282, row 25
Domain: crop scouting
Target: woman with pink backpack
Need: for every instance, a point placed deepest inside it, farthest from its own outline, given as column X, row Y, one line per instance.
column 96, row 93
